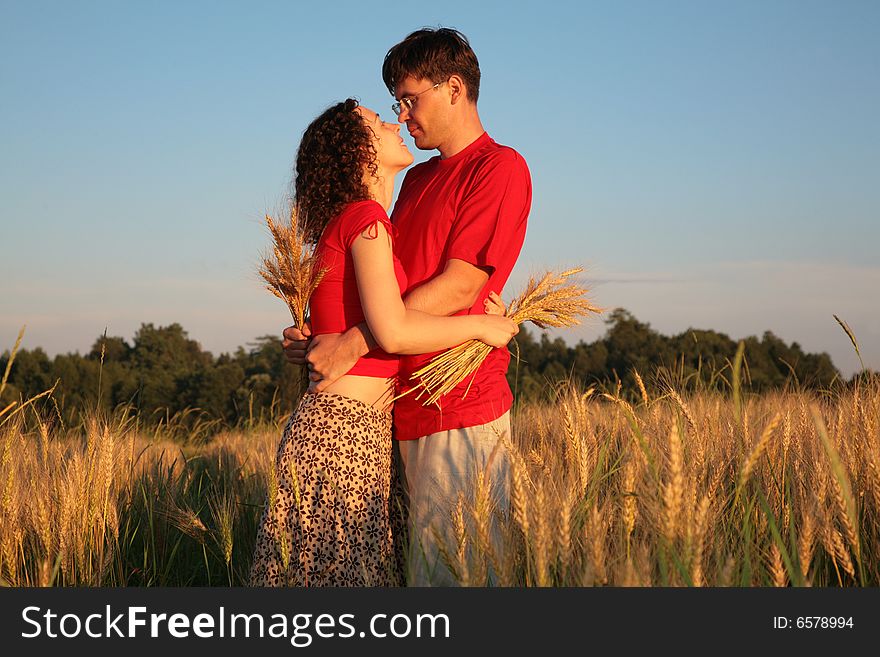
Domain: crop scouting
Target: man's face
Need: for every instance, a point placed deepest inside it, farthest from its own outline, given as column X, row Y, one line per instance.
column 426, row 121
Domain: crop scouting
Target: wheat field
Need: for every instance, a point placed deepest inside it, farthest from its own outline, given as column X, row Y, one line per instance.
column 686, row 488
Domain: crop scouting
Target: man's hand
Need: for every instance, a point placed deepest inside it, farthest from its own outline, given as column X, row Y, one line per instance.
column 330, row 356
column 296, row 343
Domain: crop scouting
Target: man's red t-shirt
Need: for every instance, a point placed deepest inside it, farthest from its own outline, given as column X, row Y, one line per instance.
column 472, row 206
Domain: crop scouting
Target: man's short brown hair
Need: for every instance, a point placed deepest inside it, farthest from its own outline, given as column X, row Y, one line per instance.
column 435, row 55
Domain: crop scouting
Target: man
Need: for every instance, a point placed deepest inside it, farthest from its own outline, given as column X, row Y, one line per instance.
column 461, row 221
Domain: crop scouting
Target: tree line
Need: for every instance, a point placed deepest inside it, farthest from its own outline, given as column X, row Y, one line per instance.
column 164, row 372
column 693, row 359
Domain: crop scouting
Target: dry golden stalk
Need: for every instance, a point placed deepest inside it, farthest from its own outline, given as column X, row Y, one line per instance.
column 699, row 457
column 760, row 521
column 806, row 542
column 849, row 530
column 699, row 542
column 630, row 510
column 107, row 469
column 536, row 458
column 283, row 539
column 482, row 510
column 838, row 428
column 777, row 570
column 642, row 389
column 715, row 482
column 726, row 577
column 222, row 507
column 458, row 525
column 66, row 511
column 622, row 403
column 41, row 519
column 272, row 484
column 786, row 514
column 821, row 475
column 758, row 450
column 576, row 429
column 747, row 437
column 684, row 408
column 841, row 486
column 563, row 528
column 518, row 490
column 852, row 338
column 571, row 441
column 541, row 542
column 839, row 552
column 186, row 520
column 12, row 549
column 673, row 491
column 595, row 535
column 9, row 468
column 689, row 511
column 547, row 302
column 869, row 421
column 786, row 435
column 44, row 439
column 291, row 271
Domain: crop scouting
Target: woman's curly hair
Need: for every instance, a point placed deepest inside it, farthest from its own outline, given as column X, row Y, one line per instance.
column 335, row 152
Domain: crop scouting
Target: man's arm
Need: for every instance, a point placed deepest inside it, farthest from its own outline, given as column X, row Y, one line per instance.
column 457, row 288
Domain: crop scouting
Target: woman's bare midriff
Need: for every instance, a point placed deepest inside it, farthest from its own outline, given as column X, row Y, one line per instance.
column 372, row 390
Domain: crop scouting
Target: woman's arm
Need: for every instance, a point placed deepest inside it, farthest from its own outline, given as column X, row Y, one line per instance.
column 398, row 330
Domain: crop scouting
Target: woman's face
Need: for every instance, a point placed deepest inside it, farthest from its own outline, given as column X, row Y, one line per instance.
column 392, row 155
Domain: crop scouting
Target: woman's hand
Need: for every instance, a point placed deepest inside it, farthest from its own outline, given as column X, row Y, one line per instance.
column 499, row 330
column 494, row 305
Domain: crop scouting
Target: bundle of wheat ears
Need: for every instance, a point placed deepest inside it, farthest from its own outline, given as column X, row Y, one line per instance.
column 291, row 271
column 551, row 301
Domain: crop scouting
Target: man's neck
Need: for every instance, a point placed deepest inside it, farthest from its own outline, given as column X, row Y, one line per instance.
column 470, row 130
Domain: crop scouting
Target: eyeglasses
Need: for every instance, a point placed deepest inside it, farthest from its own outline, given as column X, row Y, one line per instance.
column 407, row 102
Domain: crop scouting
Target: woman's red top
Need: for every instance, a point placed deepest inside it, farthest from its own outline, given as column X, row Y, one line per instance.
column 335, row 303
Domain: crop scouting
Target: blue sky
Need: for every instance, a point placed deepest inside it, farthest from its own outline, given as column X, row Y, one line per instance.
column 712, row 164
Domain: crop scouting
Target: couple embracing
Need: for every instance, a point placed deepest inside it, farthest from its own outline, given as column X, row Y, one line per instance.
column 397, row 291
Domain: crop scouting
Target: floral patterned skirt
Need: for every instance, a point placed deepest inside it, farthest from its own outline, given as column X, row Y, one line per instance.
column 327, row 519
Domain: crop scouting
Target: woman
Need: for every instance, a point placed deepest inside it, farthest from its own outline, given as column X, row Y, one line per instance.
column 326, row 523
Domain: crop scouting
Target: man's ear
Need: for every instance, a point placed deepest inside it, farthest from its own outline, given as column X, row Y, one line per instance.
column 457, row 89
